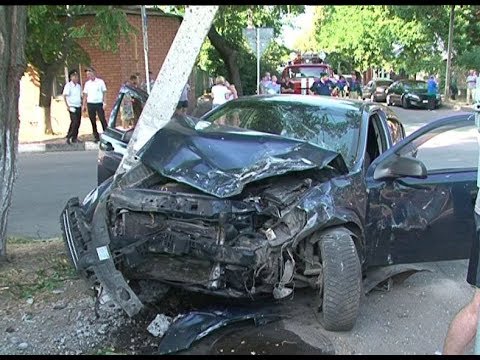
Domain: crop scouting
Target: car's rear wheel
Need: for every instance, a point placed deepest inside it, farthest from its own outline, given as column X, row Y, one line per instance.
column 405, row 103
column 342, row 280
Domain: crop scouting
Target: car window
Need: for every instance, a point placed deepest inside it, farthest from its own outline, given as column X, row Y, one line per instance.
column 396, row 130
column 446, row 148
column 131, row 107
column 306, row 71
column 419, row 85
column 335, row 129
column 383, row 83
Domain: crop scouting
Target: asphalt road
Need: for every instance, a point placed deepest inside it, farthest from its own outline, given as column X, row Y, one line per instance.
column 411, row 318
column 44, row 184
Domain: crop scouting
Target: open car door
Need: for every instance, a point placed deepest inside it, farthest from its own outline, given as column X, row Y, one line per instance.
column 422, row 193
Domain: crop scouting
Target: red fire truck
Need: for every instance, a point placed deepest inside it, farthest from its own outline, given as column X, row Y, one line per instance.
column 304, row 70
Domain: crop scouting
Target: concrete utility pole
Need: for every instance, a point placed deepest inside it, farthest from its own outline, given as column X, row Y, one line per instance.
column 171, row 79
column 449, row 53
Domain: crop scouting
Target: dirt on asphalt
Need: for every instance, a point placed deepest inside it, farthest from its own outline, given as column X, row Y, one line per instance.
column 45, row 308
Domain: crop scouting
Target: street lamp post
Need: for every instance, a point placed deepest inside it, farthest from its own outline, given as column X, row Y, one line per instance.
column 449, row 53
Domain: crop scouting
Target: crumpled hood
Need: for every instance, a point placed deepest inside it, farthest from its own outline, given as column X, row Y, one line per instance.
column 220, row 161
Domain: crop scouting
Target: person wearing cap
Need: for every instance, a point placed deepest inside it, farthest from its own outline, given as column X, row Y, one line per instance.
column 72, row 93
column 322, row 87
column 94, row 100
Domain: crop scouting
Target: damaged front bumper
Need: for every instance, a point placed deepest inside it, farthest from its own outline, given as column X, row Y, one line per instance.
column 196, row 242
column 92, row 259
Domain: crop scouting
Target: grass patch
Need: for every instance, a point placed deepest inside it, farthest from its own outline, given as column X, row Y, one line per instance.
column 13, row 240
column 34, row 266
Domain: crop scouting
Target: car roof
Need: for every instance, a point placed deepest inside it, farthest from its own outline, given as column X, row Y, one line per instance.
column 308, row 65
column 409, row 81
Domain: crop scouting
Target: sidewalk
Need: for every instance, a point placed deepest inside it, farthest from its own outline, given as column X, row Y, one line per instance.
column 32, row 140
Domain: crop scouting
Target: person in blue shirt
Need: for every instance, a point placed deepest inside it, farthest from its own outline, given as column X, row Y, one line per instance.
column 432, row 89
column 342, row 85
column 273, row 87
column 322, row 87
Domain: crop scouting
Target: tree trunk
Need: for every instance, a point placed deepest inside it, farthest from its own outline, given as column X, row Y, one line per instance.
column 12, row 66
column 229, row 56
column 47, row 77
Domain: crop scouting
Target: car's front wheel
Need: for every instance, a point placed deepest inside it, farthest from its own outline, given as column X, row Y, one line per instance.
column 405, row 103
column 372, row 98
column 341, row 280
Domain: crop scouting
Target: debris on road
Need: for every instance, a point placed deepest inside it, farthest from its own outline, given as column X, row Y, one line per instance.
column 159, row 325
column 193, row 326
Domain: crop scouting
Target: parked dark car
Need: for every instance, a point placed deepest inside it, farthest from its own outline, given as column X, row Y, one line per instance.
column 410, row 93
column 375, row 89
column 267, row 194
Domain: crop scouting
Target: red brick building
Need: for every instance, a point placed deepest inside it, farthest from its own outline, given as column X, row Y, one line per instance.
column 113, row 68
column 116, row 68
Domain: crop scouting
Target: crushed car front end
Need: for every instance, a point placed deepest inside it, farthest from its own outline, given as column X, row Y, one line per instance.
column 231, row 228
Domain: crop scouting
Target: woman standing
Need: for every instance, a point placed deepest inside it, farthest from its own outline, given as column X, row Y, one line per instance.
column 220, row 92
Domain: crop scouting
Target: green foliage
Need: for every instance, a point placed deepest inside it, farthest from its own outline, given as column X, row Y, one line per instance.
column 230, row 22
column 52, row 32
column 413, row 38
column 469, row 58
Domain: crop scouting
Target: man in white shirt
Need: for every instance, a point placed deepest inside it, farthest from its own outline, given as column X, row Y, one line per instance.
column 471, row 82
column 94, row 100
column 72, row 93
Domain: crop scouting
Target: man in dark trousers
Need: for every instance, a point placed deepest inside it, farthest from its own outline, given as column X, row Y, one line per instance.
column 432, row 89
column 72, row 93
column 94, row 100
column 464, row 326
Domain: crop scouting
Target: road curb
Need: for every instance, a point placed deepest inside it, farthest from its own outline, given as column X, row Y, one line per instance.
column 57, row 147
column 457, row 107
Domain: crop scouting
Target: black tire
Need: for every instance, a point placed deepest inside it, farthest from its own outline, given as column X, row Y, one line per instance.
column 372, row 98
column 342, row 281
column 405, row 103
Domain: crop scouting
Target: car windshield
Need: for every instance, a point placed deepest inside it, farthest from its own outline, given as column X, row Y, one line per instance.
column 306, row 71
column 332, row 128
column 417, row 85
column 384, row 83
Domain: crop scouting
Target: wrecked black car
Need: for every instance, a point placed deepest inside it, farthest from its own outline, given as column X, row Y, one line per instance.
column 266, row 194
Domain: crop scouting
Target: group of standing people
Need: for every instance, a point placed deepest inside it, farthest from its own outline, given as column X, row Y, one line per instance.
column 91, row 99
column 341, row 88
column 269, row 85
column 473, row 87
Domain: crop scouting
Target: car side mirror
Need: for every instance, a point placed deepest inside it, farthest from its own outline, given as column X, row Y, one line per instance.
column 400, row 167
